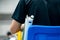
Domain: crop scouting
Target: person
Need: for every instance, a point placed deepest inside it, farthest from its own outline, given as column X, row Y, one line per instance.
column 10, row 36
column 46, row 12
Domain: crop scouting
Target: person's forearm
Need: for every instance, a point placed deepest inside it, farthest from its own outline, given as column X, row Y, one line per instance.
column 15, row 26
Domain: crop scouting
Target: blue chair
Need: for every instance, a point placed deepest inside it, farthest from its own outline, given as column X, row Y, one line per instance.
column 37, row 32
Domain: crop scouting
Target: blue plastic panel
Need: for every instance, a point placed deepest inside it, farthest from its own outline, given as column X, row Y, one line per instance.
column 36, row 32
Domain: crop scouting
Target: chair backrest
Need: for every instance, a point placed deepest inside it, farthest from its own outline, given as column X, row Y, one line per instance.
column 37, row 32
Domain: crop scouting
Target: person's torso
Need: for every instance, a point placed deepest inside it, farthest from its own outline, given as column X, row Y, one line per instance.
column 46, row 12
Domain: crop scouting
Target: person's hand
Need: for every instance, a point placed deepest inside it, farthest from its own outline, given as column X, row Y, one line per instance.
column 22, row 27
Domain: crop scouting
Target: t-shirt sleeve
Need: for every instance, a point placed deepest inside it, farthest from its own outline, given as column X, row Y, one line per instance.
column 19, row 13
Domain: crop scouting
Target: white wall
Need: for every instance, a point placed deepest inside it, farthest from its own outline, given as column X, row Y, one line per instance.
column 4, row 27
column 8, row 6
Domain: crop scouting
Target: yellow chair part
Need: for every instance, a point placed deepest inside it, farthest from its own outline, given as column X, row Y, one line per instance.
column 19, row 35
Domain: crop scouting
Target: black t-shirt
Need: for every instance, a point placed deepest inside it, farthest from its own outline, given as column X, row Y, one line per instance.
column 46, row 12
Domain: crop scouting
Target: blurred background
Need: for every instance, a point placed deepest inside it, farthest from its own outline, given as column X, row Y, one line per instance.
column 7, row 8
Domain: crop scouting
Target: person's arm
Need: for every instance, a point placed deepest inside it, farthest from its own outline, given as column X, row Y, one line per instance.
column 15, row 26
column 18, row 17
